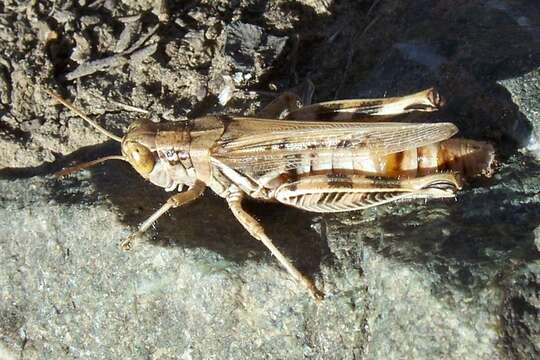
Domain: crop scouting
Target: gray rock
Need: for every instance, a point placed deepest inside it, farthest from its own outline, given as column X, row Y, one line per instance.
column 67, row 291
column 441, row 269
column 250, row 46
column 521, row 313
column 525, row 91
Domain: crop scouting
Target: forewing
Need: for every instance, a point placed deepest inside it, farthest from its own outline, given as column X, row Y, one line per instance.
column 258, row 145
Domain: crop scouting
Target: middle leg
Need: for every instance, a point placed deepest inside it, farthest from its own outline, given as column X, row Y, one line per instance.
column 256, row 230
column 288, row 101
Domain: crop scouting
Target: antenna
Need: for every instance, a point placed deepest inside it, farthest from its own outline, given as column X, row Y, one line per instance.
column 86, row 165
column 82, row 115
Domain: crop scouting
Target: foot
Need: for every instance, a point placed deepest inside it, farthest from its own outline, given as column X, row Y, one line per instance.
column 131, row 241
column 316, row 293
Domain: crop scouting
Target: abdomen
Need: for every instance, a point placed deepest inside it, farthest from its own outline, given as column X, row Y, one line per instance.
column 468, row 157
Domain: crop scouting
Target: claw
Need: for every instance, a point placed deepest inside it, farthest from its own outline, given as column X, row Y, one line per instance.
column 130, row 242
column 317, row 295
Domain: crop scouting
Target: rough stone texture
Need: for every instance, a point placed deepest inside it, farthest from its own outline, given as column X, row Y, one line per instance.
column 520, row 88
column 520, row 316
column 449, row 279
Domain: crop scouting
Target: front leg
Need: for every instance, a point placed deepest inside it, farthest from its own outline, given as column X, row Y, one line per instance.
column 174, row 201
column 256, row 230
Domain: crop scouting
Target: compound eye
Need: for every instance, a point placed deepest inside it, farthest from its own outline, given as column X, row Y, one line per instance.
column 139, row 157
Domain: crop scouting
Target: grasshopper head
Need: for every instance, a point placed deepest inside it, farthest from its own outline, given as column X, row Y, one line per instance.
column 163, row 165
column 158, row 156
column 139, row 147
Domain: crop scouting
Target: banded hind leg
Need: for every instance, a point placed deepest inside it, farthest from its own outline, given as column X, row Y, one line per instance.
column 369, row 109
column 289, row 105
column 338, row 193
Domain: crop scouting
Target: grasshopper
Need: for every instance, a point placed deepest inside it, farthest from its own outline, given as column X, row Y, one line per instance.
column 283, row 155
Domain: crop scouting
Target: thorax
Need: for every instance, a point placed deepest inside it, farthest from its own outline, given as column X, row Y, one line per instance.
column 183, row 152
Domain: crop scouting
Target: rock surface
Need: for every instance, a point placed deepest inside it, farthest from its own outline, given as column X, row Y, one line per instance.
column 448, row 279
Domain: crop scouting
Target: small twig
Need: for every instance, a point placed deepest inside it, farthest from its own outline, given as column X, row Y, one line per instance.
column 369, row 26
column 354, row 40
column 129, row 107
column 129, row 19
column 143, row 53
column 53, row 9
column 127, row 35
column 91, row 67
column 96, row 4
column 372, row 7
column 142, row 40
column 330, row 39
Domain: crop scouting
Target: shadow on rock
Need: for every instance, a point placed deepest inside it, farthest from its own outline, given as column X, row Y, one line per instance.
column 81, row 155
column 469, row 242
column 208, row 222
column 464, row 49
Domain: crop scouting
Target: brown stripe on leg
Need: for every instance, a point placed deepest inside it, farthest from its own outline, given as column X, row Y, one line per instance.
column 331, row 193
column 358, row 109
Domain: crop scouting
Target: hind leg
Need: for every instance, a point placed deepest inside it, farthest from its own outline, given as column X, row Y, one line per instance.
column 370, row 109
